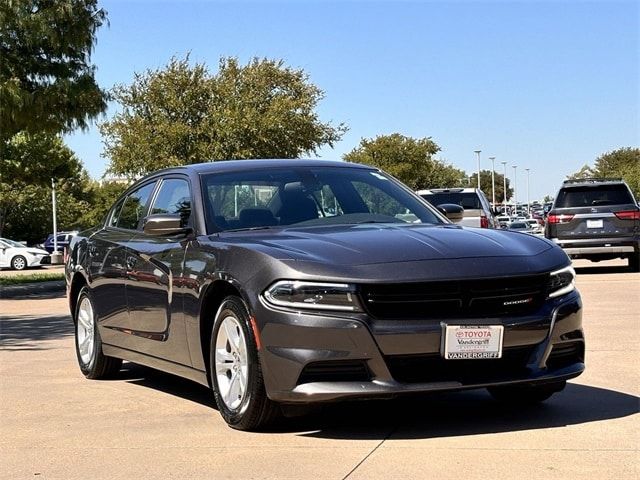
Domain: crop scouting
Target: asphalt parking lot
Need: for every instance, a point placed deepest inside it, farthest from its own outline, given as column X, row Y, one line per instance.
column 146, row 424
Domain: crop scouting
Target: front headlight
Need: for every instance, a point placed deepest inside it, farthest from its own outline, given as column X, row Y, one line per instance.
column 312, row 295
column 562, row 282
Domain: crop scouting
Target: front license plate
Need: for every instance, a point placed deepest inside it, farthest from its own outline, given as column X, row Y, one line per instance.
column 594, row 223
column 462, row 342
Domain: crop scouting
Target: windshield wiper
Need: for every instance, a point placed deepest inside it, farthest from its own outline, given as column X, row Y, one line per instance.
column 247, row 229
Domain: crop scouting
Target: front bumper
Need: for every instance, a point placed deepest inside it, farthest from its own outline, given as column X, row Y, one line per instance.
column 37, row 260
column 310, row 358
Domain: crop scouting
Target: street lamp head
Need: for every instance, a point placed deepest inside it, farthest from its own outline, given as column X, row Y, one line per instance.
column 503, row 163
column 477, row 151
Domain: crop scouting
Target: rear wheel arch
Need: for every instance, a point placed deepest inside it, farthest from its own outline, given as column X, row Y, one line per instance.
column 77, row 282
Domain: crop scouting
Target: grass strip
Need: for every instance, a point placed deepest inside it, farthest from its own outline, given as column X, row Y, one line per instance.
column 31, row 278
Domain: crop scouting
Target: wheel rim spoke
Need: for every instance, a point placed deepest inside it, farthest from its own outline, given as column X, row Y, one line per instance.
column 84, row 331
column 231, row 362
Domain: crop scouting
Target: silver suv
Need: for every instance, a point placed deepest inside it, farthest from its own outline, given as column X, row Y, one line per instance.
column 477, row 210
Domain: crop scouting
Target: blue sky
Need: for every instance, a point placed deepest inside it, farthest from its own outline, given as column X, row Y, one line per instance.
column 544, row 85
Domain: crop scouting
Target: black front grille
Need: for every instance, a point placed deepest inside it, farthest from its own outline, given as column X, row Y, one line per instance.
column 434, row 368
column 565, row 354
column 456, row 299
column 335, row 371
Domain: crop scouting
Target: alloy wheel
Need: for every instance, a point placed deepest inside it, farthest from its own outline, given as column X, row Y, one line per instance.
column 231, row 363
column 85, row 330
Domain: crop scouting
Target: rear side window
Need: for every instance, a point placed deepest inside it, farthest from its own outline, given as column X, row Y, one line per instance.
column 173, row 197
column 134, row 207
column 593, row 196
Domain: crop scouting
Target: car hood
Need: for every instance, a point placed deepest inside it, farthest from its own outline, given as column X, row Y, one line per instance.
column 386, row 243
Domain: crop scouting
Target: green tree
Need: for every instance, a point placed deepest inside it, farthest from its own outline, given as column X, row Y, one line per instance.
column 621, row 163
column 30, row 162
column 585, row 172
column 408, row 159
column 183, row 114
column 47, row 82
column 485, row 185
column 100, row 196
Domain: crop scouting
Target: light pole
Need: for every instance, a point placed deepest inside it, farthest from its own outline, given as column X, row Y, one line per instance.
column 55, row 222
column 504, row 186
column 477, row 152
column 493, row 181
column 528, row 203
column 515, row 194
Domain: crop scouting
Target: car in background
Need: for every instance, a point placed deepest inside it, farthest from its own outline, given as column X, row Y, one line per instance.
column 477, row 210
column 62, row 239
column 596, row 219
column 503, row 221
column 520, row 226
column 17, row 256
column 535, row 226
column 236, row 275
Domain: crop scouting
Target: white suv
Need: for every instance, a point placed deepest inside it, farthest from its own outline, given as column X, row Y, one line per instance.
column 477, row 210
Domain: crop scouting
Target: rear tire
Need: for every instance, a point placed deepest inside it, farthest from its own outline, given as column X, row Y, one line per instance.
column 634, row 262
column 526, row 394
column 93, row 363
column 18, row 262
column 236, row 373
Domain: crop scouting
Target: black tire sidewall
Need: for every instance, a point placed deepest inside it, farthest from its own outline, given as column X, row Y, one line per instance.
column 87, row 368
column 14, row 259
column 234, row 306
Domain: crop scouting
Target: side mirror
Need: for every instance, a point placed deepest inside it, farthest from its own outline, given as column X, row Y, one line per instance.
column 163, row 224
column 452, row 211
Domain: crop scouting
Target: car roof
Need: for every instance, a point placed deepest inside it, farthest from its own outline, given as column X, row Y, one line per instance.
column 243, row 165
column 582, row 182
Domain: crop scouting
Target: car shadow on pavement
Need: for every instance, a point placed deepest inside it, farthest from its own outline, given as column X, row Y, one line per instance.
column 165, row 382
column 466, row 413
column 421, row 416
column 26, row 332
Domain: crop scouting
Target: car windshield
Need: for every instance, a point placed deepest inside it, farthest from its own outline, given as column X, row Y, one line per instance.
column 589, row 196
column 11, row 243
column 467, row 200
column 308, row 196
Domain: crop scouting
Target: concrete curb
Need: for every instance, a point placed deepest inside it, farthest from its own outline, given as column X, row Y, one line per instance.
column 26, row 289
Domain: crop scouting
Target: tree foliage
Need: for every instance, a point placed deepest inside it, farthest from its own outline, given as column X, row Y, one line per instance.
column 26, row 171
column 183, row 114
column 621, row 163
column 47, row 82
column 485, row 185
column 408, row 159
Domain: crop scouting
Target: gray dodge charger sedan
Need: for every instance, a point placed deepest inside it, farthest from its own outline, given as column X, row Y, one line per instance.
column 289, row 282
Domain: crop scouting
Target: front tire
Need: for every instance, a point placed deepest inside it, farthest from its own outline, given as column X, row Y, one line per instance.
column 18, row 262
column 526, row 394
column 93, row 363
column 236, row 374
column 634, row 262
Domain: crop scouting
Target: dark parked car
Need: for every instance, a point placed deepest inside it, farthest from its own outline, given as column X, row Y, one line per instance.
column 597, row 219
column 62, row 241
column 289, row 282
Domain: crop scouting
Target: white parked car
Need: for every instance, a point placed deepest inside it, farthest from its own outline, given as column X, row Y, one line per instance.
column 535, row 226
column 18, row 256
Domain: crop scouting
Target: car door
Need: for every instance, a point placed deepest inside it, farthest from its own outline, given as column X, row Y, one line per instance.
column 107, row 266
column 155, row 265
